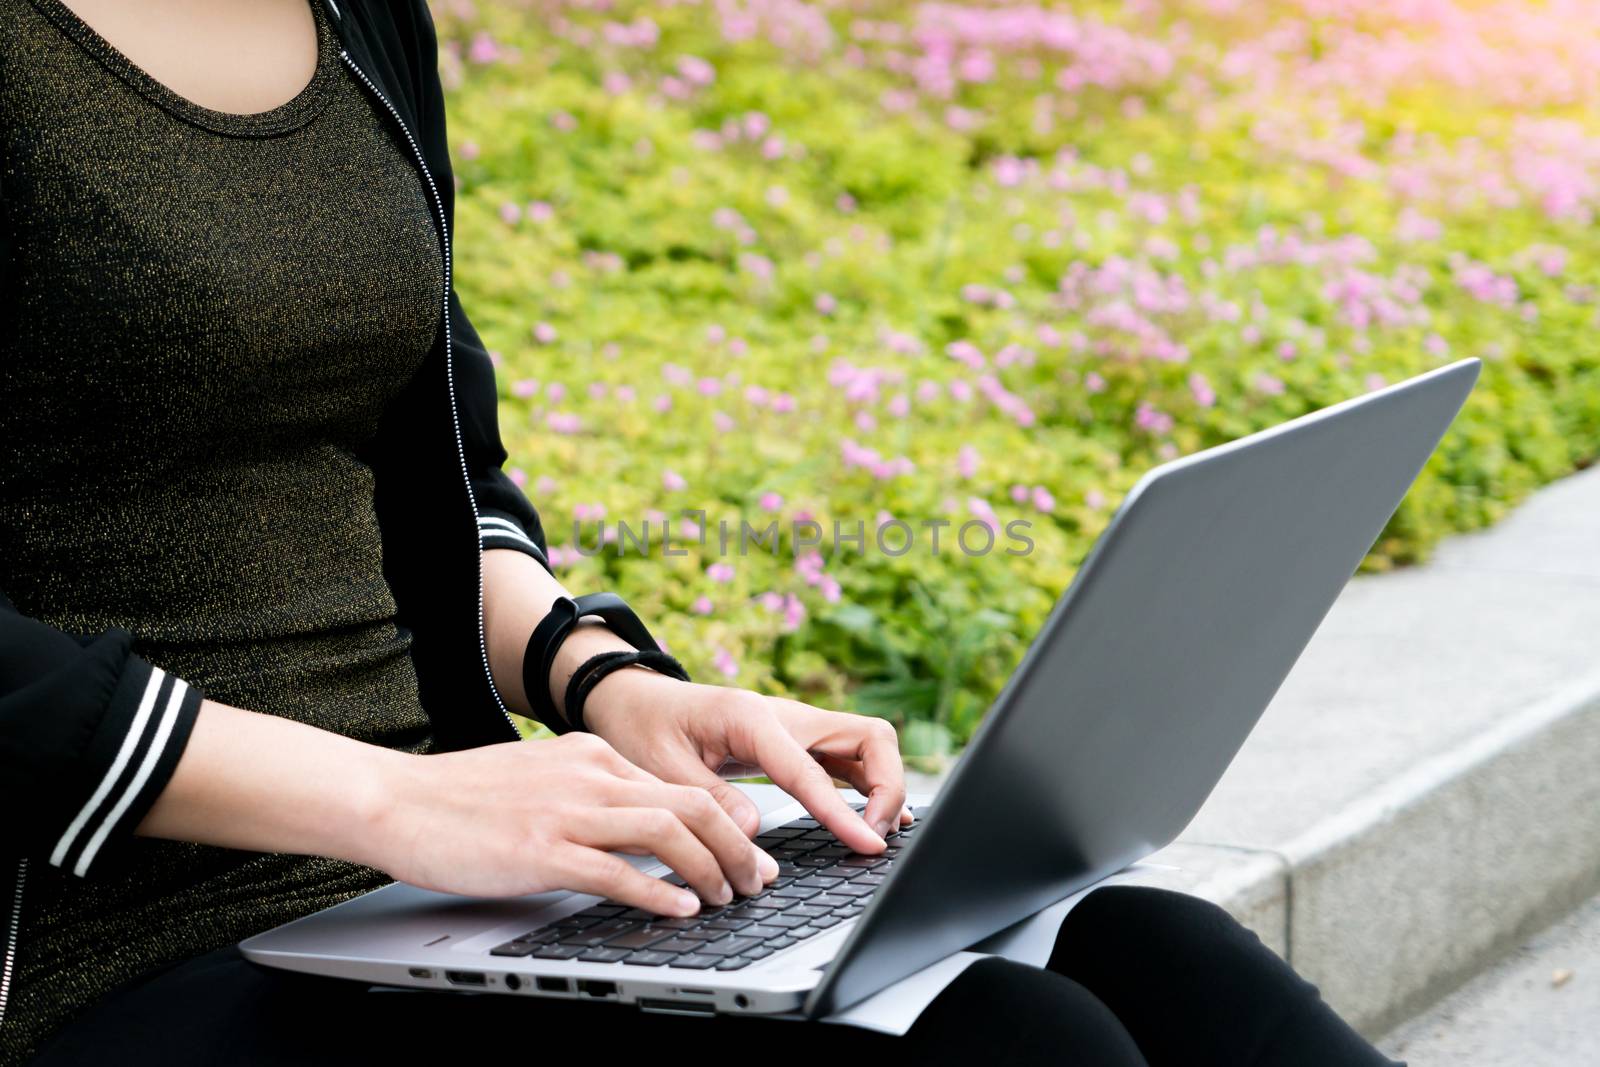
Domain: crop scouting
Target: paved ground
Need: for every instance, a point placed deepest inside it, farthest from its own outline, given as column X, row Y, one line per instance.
column 1538, row 1008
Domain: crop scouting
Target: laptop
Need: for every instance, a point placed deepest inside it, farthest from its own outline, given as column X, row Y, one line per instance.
column 1138, row 691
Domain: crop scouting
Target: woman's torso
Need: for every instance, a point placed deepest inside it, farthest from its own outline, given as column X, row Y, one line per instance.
column 206, row 315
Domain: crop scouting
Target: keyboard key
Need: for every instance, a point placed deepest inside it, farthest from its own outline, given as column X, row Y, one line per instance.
column 796, row 892
column 829, row 900
column 821, row 923
column 872, row 879
column 575, row 922
column 851, row 889
column 695, row 962
column 602, row 911
column 702, row 934
column 785, row 921
column 808, row 911
column 733, row 963
column 776, row 943
column 594, row 935
column 819, row 881
column 760, row 952
column 752, row 911
column 862, row 861
column 731, row 946
column 514, row 948
column 648, row 958
column 644, row 937
column 730, row 924
column 604, row 955
column 816, row 860
column 557, row 952
column 678, row 944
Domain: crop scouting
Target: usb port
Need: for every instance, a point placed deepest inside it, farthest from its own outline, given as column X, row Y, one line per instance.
column 465, row 978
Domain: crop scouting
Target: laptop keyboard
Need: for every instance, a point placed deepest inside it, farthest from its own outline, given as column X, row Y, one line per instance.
column 820, row 884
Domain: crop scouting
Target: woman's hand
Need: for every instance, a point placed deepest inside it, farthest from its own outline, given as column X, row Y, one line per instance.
column 686, row 733
column 525, row 817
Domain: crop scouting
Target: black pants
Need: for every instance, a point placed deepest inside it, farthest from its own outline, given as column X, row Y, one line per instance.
column 1138, row 978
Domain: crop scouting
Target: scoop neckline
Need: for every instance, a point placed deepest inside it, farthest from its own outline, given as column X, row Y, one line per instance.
column 292, row 113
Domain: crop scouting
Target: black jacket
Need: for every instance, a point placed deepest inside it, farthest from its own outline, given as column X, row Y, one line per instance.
column 90, row 731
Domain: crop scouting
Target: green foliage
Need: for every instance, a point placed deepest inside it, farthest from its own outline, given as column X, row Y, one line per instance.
column 1166, row 257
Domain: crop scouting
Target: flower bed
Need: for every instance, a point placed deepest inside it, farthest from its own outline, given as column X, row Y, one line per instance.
column 967, row 270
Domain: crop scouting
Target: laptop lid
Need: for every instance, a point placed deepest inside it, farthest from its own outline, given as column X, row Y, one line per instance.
column 1148, row 675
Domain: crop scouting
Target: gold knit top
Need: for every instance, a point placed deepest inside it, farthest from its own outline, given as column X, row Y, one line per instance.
column 205, row 315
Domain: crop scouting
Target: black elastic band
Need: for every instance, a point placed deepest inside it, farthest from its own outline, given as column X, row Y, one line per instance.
column 539, row 658
column 594, row 669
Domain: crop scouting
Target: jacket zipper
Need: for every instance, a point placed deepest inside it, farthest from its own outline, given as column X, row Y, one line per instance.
column 449, row 372
column 15, row 926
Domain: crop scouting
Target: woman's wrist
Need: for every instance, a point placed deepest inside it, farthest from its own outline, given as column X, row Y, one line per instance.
column 623, row 696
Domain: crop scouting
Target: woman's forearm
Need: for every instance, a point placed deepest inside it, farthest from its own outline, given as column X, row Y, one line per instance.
column 260, row 782
column 501, row 820
column 517, row 593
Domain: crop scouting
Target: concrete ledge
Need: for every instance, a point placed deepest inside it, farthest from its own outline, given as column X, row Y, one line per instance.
column 1423, row 793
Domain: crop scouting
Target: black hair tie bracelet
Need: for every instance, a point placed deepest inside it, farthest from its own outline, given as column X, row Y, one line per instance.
column 594, row 669
column 540, row 656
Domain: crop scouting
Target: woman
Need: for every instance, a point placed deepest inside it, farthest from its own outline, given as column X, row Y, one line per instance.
column 249, row 432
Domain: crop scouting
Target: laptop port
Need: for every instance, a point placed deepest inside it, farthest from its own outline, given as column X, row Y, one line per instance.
column 420, row 972
column 465, row 978
column 553, row 985
column 677, row 1007
column 597, row 989
column 513, row 983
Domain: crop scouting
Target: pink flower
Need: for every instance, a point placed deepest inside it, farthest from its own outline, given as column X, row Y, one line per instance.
column 981, row 511
column 564, row 422
column 1042, row 500
column 725, row 664
column 1268, row 385
column 483, row 49
column 771, row 501
column 662, row 403
column 826, row 304
column 722, row 421
column 1151, row 420
column 510, row 213
column 1019, row 493
column 556, row 392
column 701, row 606
column 830, row 590
column 720, row 572
column 1201, row 389
column 967, row 462
column 540, row 211
column 672, row 481
column 524, row 387
column 544, row 333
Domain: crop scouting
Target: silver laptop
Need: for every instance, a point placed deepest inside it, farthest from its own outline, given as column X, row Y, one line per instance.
column 1140, row 688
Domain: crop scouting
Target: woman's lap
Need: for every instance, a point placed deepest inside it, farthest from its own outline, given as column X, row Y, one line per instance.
column 1133, row 969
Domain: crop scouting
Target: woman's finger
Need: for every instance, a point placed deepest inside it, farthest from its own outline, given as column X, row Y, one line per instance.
column 589, row 870
column 746, row 868
column 798, row 773
column 663, row 833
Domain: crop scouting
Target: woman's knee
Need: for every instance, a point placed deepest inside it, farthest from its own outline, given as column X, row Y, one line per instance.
column 998, row 1010
column 1148, row 922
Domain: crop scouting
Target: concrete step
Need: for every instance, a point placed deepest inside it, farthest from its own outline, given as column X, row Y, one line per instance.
column 1421, row 795
column 1538, row 1007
